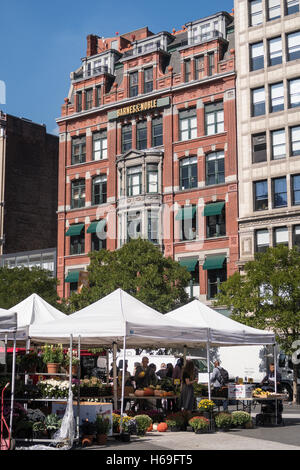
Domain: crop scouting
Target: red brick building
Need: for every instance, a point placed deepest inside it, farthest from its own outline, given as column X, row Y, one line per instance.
column 148, row 148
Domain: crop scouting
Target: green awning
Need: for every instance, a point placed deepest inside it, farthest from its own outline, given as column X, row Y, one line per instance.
column 74, row 230
column 213, row 209
column 72, row 276
column 214, row 262
column 97, row 226
column 186, row 212
column 189, row 264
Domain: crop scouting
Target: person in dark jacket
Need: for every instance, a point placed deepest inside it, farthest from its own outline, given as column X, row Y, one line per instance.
column 187, row 397
column 177, row 372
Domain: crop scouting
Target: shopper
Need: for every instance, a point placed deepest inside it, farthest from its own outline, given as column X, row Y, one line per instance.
column 177, row 372
column 187, row 398
column 170, row 369
column 162, row 371
column 219, row 379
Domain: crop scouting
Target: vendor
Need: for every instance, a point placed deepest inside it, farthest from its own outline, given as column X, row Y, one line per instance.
column 144, row 375
column 268, row 382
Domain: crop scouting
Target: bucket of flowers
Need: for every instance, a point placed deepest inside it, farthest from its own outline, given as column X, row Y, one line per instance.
column 206, row 407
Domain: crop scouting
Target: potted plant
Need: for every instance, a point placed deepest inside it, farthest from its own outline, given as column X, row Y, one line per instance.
column 29, row 362
column 39, row 430
column 240, row 418
column 102, row 429
column 223, row 421
column 52, row 357
column 172, row 425
column 75, row 362
column 52, row 424
column 206, row 407
column 88, row 431
column 143, row 422
column 200, row 424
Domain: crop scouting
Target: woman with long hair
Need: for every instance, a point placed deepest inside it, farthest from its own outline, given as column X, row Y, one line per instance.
column 187, row 397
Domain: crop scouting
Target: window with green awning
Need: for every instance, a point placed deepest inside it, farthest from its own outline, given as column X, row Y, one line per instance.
column 96, row 226
column 214, row 262
column 213, row 209
column 72, row 276
column 189, row 264
column 186, row 212
column 74, row 230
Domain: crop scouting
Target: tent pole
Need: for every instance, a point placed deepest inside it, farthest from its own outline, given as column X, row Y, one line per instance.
column 70, row 363
column 5, row 355
column 115, row 375
column 275, row 381
column 78, row 390
column 13, row 373
column 123, row 381
column 208, row 364
column 107, row 365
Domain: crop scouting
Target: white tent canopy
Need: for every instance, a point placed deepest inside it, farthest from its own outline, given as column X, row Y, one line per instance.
column 114, row 317
column 34, row 310
column 8, row 321
column 221, row 330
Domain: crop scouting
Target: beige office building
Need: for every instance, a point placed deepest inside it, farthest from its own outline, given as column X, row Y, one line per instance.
column 267, row 39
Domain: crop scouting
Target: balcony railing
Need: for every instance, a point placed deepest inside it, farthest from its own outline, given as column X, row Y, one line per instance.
column 206, row 37
column 91, row 72
column 139, row 50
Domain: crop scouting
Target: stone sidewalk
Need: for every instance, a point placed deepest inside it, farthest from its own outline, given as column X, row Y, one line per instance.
column 232, row 440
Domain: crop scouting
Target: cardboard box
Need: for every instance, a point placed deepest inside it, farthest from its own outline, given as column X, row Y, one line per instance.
column 240, row 391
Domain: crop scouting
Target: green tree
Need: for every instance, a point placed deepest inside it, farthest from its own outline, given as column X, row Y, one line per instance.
column 18, row 283
column 138, row 268
column 267, row 296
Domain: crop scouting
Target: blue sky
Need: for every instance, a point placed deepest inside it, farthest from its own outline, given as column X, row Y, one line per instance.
column 43, row 41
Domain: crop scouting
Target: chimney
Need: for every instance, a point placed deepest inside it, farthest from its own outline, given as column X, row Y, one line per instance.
column 92, row 45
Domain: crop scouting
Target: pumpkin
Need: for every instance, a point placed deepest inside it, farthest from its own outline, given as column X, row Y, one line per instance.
column 162, row 427
column 148, row 391
column 150, row 428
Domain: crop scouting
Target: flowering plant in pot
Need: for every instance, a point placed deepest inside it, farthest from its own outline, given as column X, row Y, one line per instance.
column 102, row 428
column 206, row 405
column 199, row 424
column 143, row 422
column 75, row 361
column 223, row 421
column 240, row 418
column 52, row 356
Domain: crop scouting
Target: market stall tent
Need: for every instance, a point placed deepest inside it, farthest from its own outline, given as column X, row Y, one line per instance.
column 34, row 310
column 221, row 330
column 114, row 317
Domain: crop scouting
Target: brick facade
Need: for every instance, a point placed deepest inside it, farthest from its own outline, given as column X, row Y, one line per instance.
column 176, row 89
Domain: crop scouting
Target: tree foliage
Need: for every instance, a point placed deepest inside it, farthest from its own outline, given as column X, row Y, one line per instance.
column 18, row 283
column 267, row 294
column 140, row 269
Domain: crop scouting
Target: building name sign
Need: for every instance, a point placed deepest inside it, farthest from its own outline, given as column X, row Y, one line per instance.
column 138, row 107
